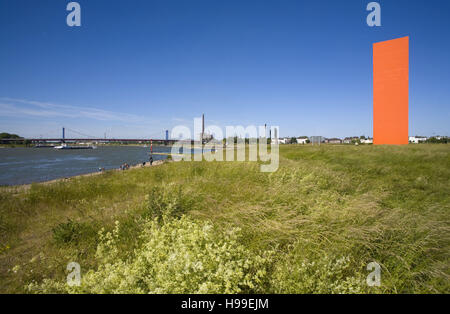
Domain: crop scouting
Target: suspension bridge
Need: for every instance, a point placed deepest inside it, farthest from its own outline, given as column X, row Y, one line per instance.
column 80, row 137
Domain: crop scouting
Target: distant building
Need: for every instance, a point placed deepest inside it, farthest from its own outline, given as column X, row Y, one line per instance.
column 302, row 140
column 206, row 137
column 367, row 141
column 351, row 140
column 333, row 141
column 283, row 140
column 417, row 139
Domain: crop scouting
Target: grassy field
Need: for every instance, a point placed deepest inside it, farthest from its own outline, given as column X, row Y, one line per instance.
column 311, row 227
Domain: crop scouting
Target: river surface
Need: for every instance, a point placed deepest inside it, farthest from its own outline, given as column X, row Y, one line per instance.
column 28, row 165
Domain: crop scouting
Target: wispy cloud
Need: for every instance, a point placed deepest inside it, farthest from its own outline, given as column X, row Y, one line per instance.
column 180, row 120
column 34, row 118
column 28, row 108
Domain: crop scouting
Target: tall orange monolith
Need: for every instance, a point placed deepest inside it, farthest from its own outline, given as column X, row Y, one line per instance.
column 391, row 91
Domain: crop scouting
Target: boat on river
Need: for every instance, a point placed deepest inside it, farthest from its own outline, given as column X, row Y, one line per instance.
column 64, row 146
column 44, row 146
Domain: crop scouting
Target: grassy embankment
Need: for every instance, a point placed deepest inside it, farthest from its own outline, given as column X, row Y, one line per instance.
column 310, row 227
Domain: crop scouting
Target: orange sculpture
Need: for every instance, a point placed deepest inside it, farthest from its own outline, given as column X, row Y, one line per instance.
column 391, row 91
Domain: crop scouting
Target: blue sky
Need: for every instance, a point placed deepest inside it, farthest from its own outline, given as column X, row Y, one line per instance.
column 135, row 68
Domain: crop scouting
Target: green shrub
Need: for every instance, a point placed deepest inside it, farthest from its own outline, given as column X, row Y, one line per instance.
column 167, row 201
column 180, row 256
column 69, row 232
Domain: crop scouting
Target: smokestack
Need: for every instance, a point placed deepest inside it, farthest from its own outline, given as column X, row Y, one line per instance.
column 203, row 126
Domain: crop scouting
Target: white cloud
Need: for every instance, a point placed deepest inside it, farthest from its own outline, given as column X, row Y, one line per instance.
column 27, row 108
column 31, row 118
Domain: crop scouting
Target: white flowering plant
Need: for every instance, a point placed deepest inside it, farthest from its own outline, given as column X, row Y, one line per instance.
column 179, row 256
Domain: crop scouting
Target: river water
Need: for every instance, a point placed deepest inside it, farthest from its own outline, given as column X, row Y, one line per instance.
column 27, row 165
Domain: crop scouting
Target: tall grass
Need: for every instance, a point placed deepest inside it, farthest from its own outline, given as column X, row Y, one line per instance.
column 319, row 220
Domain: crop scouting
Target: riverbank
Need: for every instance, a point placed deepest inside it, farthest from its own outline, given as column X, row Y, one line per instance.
column 24, row 166
column 24, row 187
column 311, row 227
